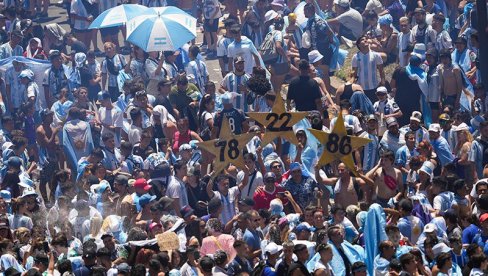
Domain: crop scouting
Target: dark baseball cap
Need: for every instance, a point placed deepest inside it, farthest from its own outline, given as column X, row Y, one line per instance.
column 122, row 180
column 247, row 201
column 186, row 211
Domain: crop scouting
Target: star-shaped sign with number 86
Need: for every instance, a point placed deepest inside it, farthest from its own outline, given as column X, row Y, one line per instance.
column 278, row 122
column 228, row 148
column 338, row 145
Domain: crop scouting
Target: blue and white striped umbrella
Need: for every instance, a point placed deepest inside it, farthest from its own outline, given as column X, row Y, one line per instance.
column 117, row 16
column 161, row 29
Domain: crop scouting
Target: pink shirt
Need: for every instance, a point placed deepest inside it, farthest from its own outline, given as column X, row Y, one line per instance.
column 223, row 241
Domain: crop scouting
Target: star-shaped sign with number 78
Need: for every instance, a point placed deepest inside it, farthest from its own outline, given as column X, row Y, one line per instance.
column 228, row 148
column 278, row 122
column 338, row 145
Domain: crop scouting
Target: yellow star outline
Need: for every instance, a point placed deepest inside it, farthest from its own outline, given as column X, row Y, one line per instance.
column 338, row 145
column 228, row 148
column 278, row 122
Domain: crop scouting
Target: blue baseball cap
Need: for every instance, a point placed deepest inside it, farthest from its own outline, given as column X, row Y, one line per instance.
column 146, row 199
column 295, row 166
column 304, row 226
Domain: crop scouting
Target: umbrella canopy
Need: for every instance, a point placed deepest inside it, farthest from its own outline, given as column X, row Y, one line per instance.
column 117, row 16
column 161, row 29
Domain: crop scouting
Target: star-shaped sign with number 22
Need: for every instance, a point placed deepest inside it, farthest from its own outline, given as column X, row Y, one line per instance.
column 228, row 148
column 278, row 122
column 338, row 145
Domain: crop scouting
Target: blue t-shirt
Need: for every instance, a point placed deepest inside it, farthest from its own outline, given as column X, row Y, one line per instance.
column 269, row 271
column 460, row 260
column 469, row 233
column 480, row 239
column 252, row 239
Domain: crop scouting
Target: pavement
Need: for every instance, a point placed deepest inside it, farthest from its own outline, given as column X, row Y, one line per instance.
column 58, row 15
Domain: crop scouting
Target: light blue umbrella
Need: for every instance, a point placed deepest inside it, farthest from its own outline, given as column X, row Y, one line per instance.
column 161, row 29
column 117, row 16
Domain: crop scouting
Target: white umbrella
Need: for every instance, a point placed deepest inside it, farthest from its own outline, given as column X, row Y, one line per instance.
column 161, row 29
column 117, row 16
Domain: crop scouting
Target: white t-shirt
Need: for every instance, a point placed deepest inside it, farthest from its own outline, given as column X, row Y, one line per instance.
column 229, row 204
column 443, row 201
column 250, row 188
column 113, row 117
column 135, row 134
column 349, row 119
column 34, row 91
column 177, row 190
column 242, row 49
column 366, row 65
column 222, row 45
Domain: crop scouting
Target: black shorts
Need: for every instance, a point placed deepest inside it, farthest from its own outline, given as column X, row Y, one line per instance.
column 435, row 105
column 211, row 28
column 327, row 52
column 110, row 31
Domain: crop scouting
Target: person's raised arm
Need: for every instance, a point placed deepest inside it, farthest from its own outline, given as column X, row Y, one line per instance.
column 293, row 203
column 381, row 70
column 210, row 183
column 195, row 136
column 104, row 80
column 324, row 181
column 259, row 152
column 245, row 180
column 230, row 224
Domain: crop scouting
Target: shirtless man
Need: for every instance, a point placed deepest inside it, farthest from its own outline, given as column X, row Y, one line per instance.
column 388, row 180
column 48, row 161
column 450, row 79
column 348, row 189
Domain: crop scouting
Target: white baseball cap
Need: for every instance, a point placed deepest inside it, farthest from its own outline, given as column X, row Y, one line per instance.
column 342, row 3
column 416, row 116
column 429, row 228
column 435, row 128
column 272, row 248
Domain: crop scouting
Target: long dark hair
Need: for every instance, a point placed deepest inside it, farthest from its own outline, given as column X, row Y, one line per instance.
column 203, row 104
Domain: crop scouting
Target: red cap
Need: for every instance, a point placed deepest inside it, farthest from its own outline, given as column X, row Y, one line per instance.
column 141, row 183
column 484, row 217
column 154, row 225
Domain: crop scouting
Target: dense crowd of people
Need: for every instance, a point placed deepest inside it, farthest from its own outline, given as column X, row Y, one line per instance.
column 102, row 174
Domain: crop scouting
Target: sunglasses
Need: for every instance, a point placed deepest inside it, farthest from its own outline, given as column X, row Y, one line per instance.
column 276, row 167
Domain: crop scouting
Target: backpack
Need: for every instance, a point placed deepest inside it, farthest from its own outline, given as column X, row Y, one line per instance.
column 258, row 269
column 267, row 49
